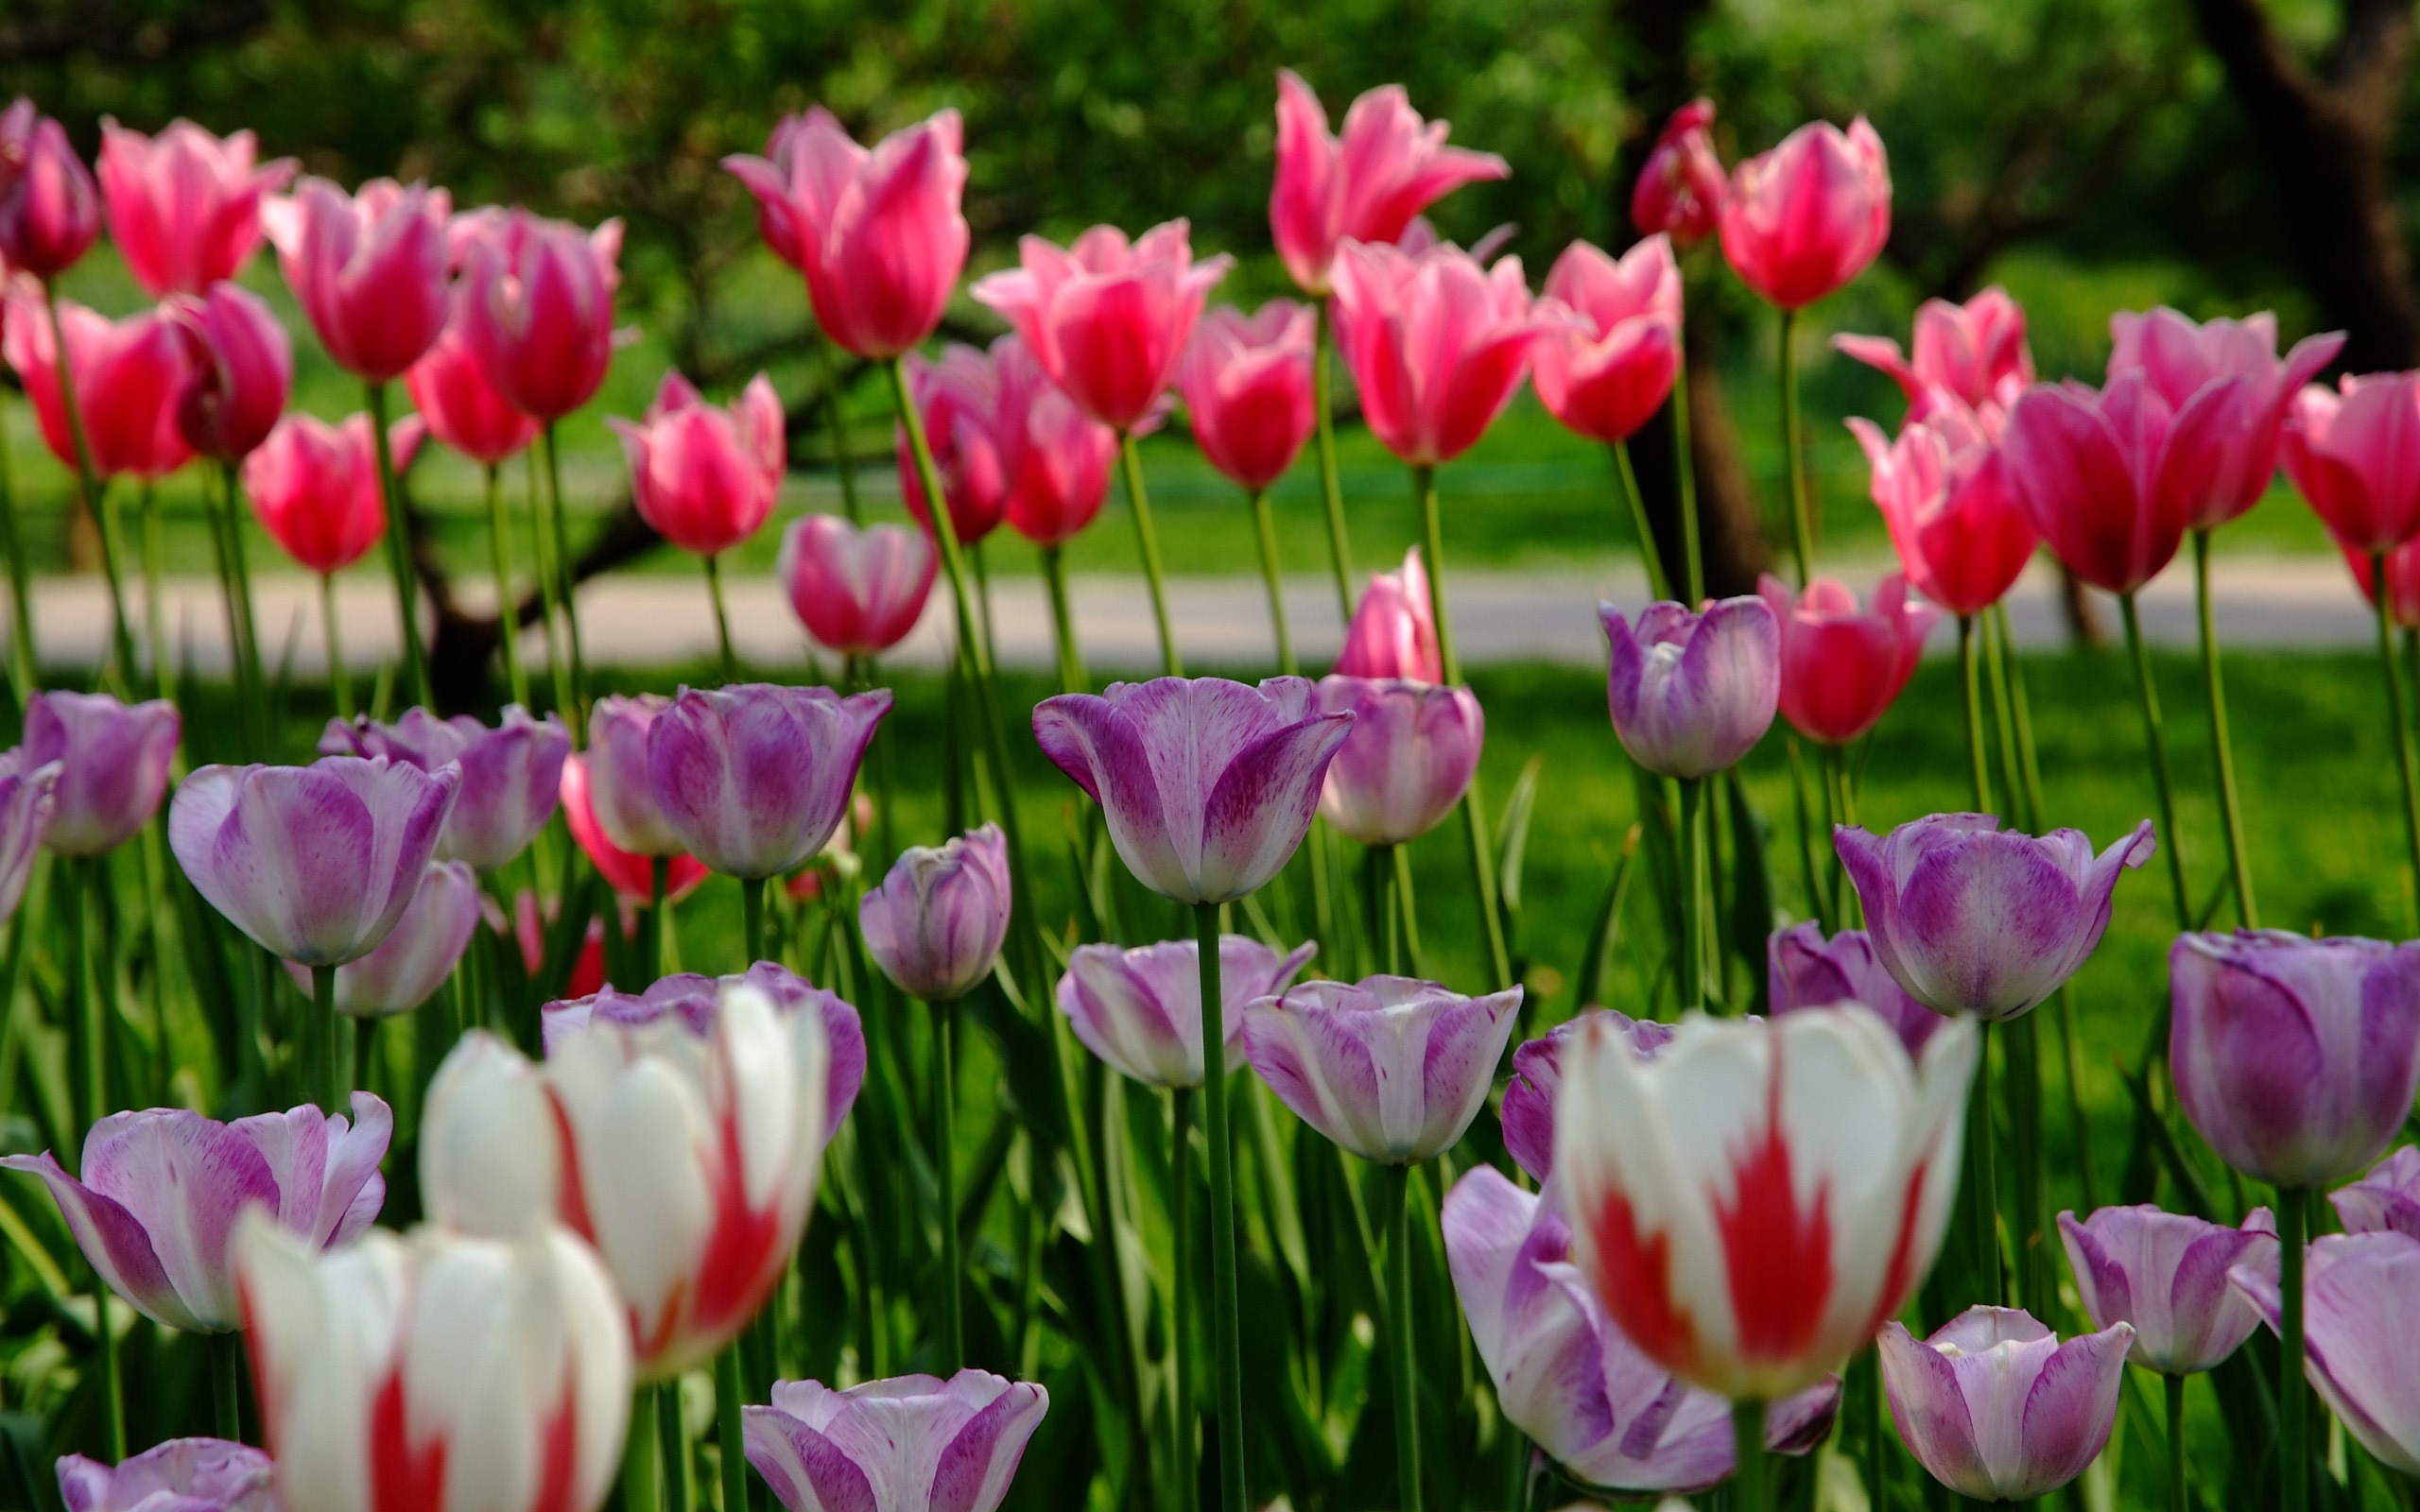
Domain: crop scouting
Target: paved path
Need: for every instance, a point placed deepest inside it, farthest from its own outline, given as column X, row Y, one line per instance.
column 648, row 620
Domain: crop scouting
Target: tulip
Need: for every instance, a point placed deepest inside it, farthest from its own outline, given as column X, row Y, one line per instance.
column 879, row 234
column 1607, row 373
column 512, row 775
column 2386, row 1199
column 2226, row 393
column 417, row 955
column 1692, row 694
column 2402, row 581
column 129, row 377
column 538, row 308
column 858, row 590
column 2165, row 1275
column 615, row 771
column 705, row 476
column 316, row 864
column 1207, row 786
column 1108, row 319
column 935, row 924
column 1842, row 670
column 113, row 765
column 1393, row 633
column 753, row 779
column 1008, row 443
column 185, row 207
column 239, row 372
column 2091, row 468
column 463, row 406
column 1391, row 1069
column 2363, row 1344
column 27, row 795
column 49, row 209
column 2353, row 452
column 180, row 1475
column 1140, row 1010
column 1436, row 343
column 1997, row 1407
column 629, row 873
column 689, row 1160
column 437, row 1371
column 1973, row 351
column 1682, row 187
column 1945, row 493
column 1808, row 216
column 2296, row 1059
column 1247, row 385
column 1569, row 1379
column 1527, row 1110
column 1367, row 185
column 1406, row 761
column 529, row 922
column 314, row 487
column 1753, row 1203
column 959, row 400
column 1804, row 971
column 923, row 1442
column 369, row 268
column 156, row 1210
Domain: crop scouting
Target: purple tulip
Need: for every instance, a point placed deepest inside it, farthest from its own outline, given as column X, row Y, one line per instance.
column 753, row 779
column 1972, row 918
column 2296, row 1059
column 2361, row 1336
column 114, row 765
column 1390, row 1067
column 1691, row 694
column 418, row 954
column 2167, row 1275
column 182, row 1475
column 2385, row 1201
column 935, row 924
column 618, row 785
column 1140, row 1010
column 513, row 776
column 1527, row 1113
column 1406, row 761
column 156, row 1210
column 902, row 1445
column 315, row 863
column 693, row 997
column 1804, row 971
column 1208, row 785
column 29, row 793
column 1568, row 1377
column 1995, row 1408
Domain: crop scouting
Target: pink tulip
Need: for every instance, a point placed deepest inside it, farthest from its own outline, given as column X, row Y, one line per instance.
column 1682, row 188
column 2226, row 393
column 369, row 268
column 130, row 375
column 703, row 475
column 1436, row 344
column 625, row 871
column 461, row 405
column 1944, row 492
column 859, row 591
column 959, row 400
column 2084, row 463
column 2354, row 454
column 2402, row 584
column 1109, row 319
column 1406, row 761
column 49, row 209
column 1387, row 167
column 1841, row 670
column 1008, row 443
column 1246, row 384
column 1605, row 374
column 1975, row 351
column 239, row 370
column 185, row 207
column 538, row 308
column 1808, row 216
column 315, row 488
column 1393, row 633
column 879, row 234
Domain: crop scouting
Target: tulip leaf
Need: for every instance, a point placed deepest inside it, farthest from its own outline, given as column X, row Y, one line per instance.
column 1596, row 958
column 1518, row 808
column 1752, row 889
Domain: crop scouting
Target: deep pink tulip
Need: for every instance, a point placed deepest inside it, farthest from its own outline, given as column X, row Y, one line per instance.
column 1107, row 318
column 1692, row 694
column 1393, row 633
column 114, row 765
column 2353, row 452
column 753, row 779
column 705, row 475
column 1247, row 385
column 2402, row 581
column 1008, row 444
column 1944, row 490
column 1975, row 351
column 1608, row 372
column 239, row 370
column 315, row 488
column 1843, row 668
column 130, row 375
column 537, row 304
column 369, row 268
column 461, row 405
column 935, row 924
column 1405, row 763
column 857, row 591
column 878, row 233
column 50, row 210
column 1682, row 188
column 2227, row 392
column 185, row 207
column 1436, row 344
column 958, row 398
column 1808, row 216
column 1391, row 1069
column 1366, row 185
column 2085, row 465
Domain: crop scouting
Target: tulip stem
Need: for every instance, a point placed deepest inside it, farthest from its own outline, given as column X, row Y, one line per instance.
column 722, row 619
column 2004, row 720
column 323, row 1031
column 88, row 487
column 339, row 680
column 542, row 566
column 1970, row 680
column 1982, row 1181
column 1378, row 915
column 1802, row 524
column 1147, row 540
column 2021, row 1073
column 399, row 549
column 1072, row 678
column 1818, row 896
column 22, row 668
column 1265, row 522
column 1188, row 1467
column 507, row 608
column 155, row 621
column 1225, row 1323
column 235, row 596
column 1751, row 1472
column 1658, row 585
column 1837, row 813
column 2157, row 745
column 751, row 919
column 727, row 1428
column 227, row 1385
column 1410, row 912
column 2230, row 806
column 2394, row 710
column 575, row 715
column 1402, row 1369
column 672, row 1431
column 1684, row 469
column 1424, row 486
column 642, row 1489
column 2293, row 1391
column 1693, row 898
column 844, row 462
column 2180, row 1486
column 946, row 1174
column 658, row 874
column 1331, row 493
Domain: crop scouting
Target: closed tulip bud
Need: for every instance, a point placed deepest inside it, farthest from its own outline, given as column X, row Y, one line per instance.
column 1246, row 384
column 1140, row 1009
column 1682, row 187
column 239, row 372
column 50, row 209
column 2226, row 393
column 1975, row 352
column 1997, row 1407
column 1946, row 495
column 1408, row 760
column 27, row 794
column 1391, row 1069
column 927, row 1443
column 705, row 476
column 858, row 590
column 935, row 924
column 1393, row 633
column 129, row 377
column 1803, row 969
column 114, row 765
column 1805, row 218
column 1841, row 669
column 1436, row 343
column 512, row 775
column 2296, row 1059
column 753, row 779
column 180, row 1475
column 1208, row 786
column 1367, row 185
column 185, row 207
column 1692, row 694
column 1754, row 1202
column 1606, row 372
column 2386, row 1199
column 2165, row 1275
column 461, row 405
column 314, row 487
column 2360, row 1337
column 417, row 955
column 537, row 305
column 155, row 1211
column 2353, row 452
column 1528, row 1110
column 369, row 268
column 615, row 771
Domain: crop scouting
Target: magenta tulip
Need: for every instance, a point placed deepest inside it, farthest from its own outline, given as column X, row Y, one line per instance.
column 1436, row 344
column 2165, row 1275
column 2363, row 1348
column 1393, row 633
column 1975, row 352
column 1367, row 185
column 1409, row 758
column 129, row 377
column 537, row 304
column 1527, row 1110
column 2226, row 393
column 50, row 210
column 935, row 924
column 1841, row 669
column 1808, row 216
column 1803, row 969
column 1945, row 493
column 1692, row 694
column 1682, row 187
column 1391, row 1069
column 512, row 775
column 908, row 1444
column 314, row 487
column 958, row 401
column 114, row 765
column 2353, row 452
column 1247, row 385
column 2386, row 1199
column 1140, row 1009
column 180, row 1475
column 27, row 794
column 1607, row 373
column 858, row 591
column 185, row 207
column 461, row 405
column 705, row 476
column 1997, row 1407
column 369, row 268
column 753, row 779
column 239, row 372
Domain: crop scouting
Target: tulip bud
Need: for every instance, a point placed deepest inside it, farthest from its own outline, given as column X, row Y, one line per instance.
column 705, row 476
column 1682, row 187
column 1841, row 669
column 314, row 488
column 129, row 377
column 1692, row 694
column 1387, row 167
column 936, row 1444
column 185, row 207
column 29, row 793
column 512, row 775
column 1247, row 386
column 1436, row 343
column 461, row 405
column 1606, row 372
column 1393, row 633
column 180, row 1475
column 537, row 306
column 1391, row 1069
column 935, row 924
column 1808, row 216
column 2162, row 1274
column 1409, row 758
column 1997, row 1407
column 858, row 591
column 2353, row 452
column 754, row 778
column 113, row 765
column 50, row 210
column 369, row 268
column 239, row 372
column 1945, row 493
column 1140, row 1010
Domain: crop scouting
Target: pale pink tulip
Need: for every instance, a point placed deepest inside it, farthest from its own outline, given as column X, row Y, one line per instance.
column 857, row 591
column 1961, row 536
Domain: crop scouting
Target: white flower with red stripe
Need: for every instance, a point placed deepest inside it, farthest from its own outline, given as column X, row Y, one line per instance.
column 1753, row 1203
column 685, row 1151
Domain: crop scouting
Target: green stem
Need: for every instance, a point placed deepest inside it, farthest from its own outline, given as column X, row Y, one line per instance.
column 1982, row 1180
column 1482, row 851
column 324, row 1005
column 1147, row 540
column 2030, row 1233
column 2293, row 1391
column 2004, row 721
column 2180, row 1486
column 1752, row 1474
column 575, row 715
column 399, row 550
column 1836, row 814
column 659, row 917
column 2029, row 766
column 1970, row 680
column 112, row 1386
column 88, row 486
column 1331, row 493
column 642, row 1487
column 722, row 619
column 1684, row 469
column 339, row 680
column 1802, row 524
column 2230, row 806
column 155, row 619
column 1658, row 585
column 945, row 1169
column 672, row 1447
column 1226, row 1323
column 727, row 1429
column 1819, row 899
column 1385, row 952
column 1403, row 1371
column 227, row 1385
column 507, row 608
column 23, row 664
column 751, row 919
column 1265, row 522
column 1072, row 678
column 92, row 1016
column 1411, row 911
column 2156, row 744
column 218, row 505
column 544, row 568
column 844, row 462
column 1693, row 898
column 2394, row 712
column 1187, row 1414
column 248, row 622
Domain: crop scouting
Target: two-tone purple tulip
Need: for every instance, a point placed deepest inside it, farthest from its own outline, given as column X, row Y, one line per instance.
column 935, row 924
column 1997, row 1406
column 112, row 765
column 901, row 1445
column 182, row 1475
column 1803, row 969
column 29, row 793
column 512, row 775
column 2385, row 1201
column 1692, row 693
column 619, row 785
column 1140, row 1009
column 418, row 954
column 1391, row 1069
column 1528, row 1110
column 753, row 779
column 1409, row 758
column 2165, row 1275
column 2361, row 1337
